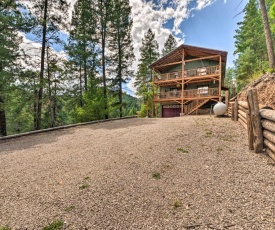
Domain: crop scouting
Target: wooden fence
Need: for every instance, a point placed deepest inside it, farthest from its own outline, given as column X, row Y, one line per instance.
column 257, row 120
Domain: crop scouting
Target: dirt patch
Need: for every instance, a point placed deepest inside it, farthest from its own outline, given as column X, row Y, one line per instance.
column 265, row 86
column 192, row 172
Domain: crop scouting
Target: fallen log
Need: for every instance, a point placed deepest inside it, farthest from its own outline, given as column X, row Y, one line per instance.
column 269, row 136
column 268, row 114
column 268, row 125
column 270, row 153
column 269, row 145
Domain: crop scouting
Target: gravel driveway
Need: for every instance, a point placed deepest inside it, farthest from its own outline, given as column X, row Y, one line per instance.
column 192, row 172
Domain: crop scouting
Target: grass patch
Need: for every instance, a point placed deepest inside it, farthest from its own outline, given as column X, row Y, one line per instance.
column 56, row 225
column 86, row 178
column 70, row 208
column 219, row 150
column 5, row 228
column 156, row 175
column 208, row 133
column 84, row 186
column 228, row 138
column 176, row 204
column 182, row 150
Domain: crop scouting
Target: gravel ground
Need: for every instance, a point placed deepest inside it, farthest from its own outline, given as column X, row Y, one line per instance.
column 192, row 172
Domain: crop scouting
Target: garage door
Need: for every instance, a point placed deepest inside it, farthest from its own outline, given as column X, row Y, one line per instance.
column 171, row 110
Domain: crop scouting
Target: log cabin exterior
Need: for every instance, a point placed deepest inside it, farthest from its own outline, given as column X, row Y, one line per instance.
column 188, row 80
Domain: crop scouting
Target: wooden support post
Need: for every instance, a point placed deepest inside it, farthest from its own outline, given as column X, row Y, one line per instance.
column 220, row 79
column 236, row 110
column 233, row 111
column 255, row 117
column 197, row 102
column 249, row 131
column 153, row 104
column 227, row 98
column 182, row 82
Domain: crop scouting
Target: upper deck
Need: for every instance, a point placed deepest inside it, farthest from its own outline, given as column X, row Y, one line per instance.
column 203, row 74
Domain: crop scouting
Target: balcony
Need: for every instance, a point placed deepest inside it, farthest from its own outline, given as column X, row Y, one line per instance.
column 187, row 94
column 176, row 77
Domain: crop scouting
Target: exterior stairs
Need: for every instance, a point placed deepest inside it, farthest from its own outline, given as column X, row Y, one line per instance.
column 194, row 105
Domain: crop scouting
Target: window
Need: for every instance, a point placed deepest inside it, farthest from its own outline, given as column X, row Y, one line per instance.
column 203, row 90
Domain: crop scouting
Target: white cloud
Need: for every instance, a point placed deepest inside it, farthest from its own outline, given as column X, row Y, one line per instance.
column 203, row 3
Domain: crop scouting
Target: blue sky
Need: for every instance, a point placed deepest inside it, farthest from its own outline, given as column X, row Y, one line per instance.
column 214, row 26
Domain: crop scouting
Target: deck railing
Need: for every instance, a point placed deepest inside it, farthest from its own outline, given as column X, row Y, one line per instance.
column 194, row 93
column 165, row 95
column 204, row 92
column 204, row 71
column 167, row 76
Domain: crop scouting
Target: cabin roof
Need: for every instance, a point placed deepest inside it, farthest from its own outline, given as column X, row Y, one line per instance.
column 194, row 51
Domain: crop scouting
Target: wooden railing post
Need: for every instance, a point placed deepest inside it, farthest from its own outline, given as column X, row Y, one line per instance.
column 249, row 131
column 233, row 112
column 255, row 118
column 236, row 110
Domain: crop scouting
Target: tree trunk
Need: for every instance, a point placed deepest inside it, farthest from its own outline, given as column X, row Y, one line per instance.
column 103, row 23
column 35, row 97
column 50, row 89
column 268, row 37
column 41, row 78
column 120, row 74
column 3, row 124
column 85, row 70
column 80, row 87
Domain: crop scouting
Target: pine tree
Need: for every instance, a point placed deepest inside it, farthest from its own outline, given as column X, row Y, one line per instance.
column 245, row 67
column 51, row 16
column 169, row 45
column 268, row 37
column 10, row 20
column 250, row 44
column 83, row 43
column 149, row 53
column 246, row 37
column 103, row 14
column 120, row 45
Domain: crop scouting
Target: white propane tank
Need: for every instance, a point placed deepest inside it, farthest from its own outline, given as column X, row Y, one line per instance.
column 219, row 109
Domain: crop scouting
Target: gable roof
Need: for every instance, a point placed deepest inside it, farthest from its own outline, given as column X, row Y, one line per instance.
column 194, row 51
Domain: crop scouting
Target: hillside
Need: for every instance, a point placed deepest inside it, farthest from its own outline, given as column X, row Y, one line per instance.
column 265, row 86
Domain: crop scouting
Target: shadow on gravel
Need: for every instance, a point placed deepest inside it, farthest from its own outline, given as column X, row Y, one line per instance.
column 28, row 142
column 123, row 123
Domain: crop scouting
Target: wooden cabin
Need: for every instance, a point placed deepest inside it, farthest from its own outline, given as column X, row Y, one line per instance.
column 188, row 80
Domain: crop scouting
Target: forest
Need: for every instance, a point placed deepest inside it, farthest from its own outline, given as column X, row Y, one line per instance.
column 86, row 81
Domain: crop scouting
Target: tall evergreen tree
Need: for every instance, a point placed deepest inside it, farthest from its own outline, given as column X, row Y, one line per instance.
column 103, row 14
column 51, row 17
column 120, row 45
column 250, row 44
column 149, row 53
column 10, row 18
column 82, row 47
column 169, row 45
column 268, row 37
